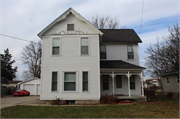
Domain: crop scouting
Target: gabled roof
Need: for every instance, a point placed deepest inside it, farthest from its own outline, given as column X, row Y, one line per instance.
column 170, row 73
column 148, row 80
column 118, row 64
column 29, row 80
column 63, row 16
column 6, row 81
column 120, row 35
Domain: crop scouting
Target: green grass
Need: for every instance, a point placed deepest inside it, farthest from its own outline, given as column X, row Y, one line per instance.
column 160, row 108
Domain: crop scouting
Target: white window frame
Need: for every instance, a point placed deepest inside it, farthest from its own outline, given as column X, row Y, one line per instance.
column 57, row 81
column 177, row 78
column 88, row 82
column 167, row 78
column 133, row 51
column 108, row 83
column 63, row 76
column 88, row 46
column 60, row 47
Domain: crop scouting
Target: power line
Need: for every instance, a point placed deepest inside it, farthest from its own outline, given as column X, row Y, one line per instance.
column 141, row 16
column 15, row 38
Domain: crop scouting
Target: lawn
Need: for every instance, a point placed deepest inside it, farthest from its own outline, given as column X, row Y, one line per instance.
column 162, row 107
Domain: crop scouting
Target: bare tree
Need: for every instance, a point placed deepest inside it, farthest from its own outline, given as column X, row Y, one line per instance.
column 26, row 75
column 104, row 22
column 31, row 56
column 163, row 56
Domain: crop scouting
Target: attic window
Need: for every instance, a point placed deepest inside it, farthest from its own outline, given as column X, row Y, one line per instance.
column 70, row 27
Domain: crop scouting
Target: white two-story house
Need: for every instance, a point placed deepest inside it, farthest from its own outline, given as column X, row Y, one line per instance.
column 81, row 62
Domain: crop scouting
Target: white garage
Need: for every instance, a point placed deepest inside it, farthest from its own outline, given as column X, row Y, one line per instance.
column 31, row 85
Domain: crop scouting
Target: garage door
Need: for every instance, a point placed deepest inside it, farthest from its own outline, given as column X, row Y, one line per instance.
column 30, row 88
column 38, row 89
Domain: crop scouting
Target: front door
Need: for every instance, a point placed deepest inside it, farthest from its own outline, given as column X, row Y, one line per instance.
column 119, row 85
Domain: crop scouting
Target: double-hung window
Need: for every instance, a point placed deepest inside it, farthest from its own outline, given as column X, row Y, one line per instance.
column 70, row 81
column 85, row 81
column 130, row 52
column 54, row 81
column 84, row 46
column 132, row 82
column 167, row 81
column 105, row 82
column 56, row 46
column 103, row 52
column 118, row 81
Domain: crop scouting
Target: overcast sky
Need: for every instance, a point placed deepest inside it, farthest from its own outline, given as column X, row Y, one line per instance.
column 26, row 18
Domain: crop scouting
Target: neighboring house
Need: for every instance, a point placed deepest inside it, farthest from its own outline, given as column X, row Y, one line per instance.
column 31, row 85
column 9, row 83
column 151, row 82
column 170, row 82
column 81, row 62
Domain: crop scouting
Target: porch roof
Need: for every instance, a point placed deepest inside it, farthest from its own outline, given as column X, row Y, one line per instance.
column 118, row 64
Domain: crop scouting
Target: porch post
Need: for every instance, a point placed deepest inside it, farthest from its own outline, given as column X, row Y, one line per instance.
column 142, row 84
column 128, row 75
column 113, row 75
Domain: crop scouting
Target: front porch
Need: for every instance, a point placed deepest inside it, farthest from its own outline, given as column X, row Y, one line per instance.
column 123, row 84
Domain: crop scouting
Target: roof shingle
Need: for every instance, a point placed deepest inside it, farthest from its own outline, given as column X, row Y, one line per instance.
column 120, row 35
column 118, row 64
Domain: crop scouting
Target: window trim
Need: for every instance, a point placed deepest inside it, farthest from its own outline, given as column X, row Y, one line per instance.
column 108, row 83
column 60, row 48
column 67, row 26
column 167, row 80
column 132, row 52
column 63, row 76
column 132, row 81
column 88, row 46
column 87, row 81
column 57, row 81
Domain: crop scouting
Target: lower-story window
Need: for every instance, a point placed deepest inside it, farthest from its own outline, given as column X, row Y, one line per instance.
column 105, row 82
column 70, row 81
column 85, row 81
column 132, row 82
column 177, row 79
column 54, row 81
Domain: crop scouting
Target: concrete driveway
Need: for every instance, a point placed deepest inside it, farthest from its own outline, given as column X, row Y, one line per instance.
column 8, row 101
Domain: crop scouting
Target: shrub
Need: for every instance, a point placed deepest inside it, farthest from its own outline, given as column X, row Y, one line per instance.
column 169, row 94
column 108, row 99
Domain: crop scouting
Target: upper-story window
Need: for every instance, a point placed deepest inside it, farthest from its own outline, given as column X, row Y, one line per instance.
column 70, row 27
column 56, row 46
column 130, row 52
column 103, row 52
column 84, row 46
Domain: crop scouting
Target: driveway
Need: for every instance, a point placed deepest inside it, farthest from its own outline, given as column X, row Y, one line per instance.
column 8, row 101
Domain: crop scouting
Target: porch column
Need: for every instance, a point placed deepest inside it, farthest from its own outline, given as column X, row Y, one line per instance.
column 141, row 77
column 129, row 75
column 113, row 75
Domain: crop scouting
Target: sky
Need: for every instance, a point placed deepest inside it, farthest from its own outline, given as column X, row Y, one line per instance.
column 26, row 18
